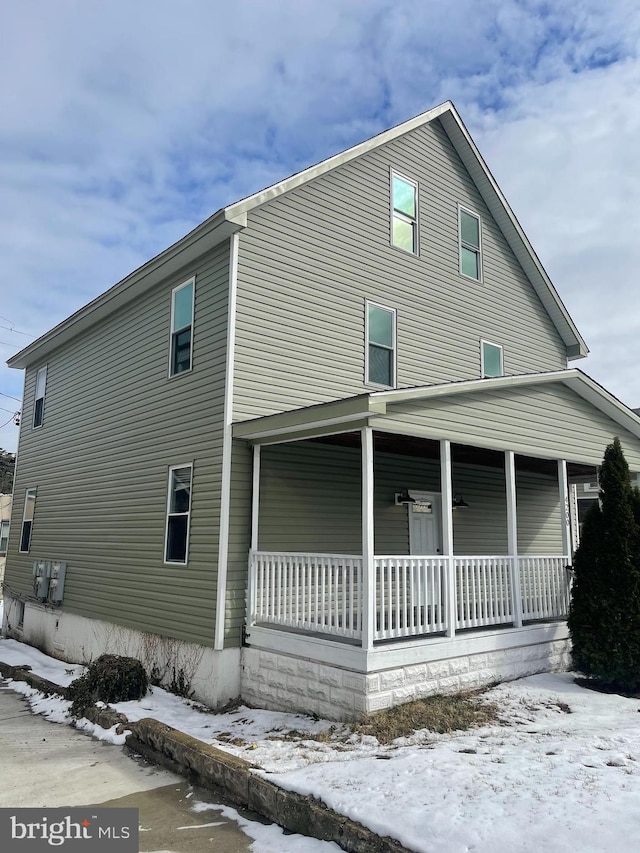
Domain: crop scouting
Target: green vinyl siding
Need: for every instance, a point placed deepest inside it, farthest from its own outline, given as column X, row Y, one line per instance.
column 310, row 503
column 539, row 514
column 239, row 541
column 548, row 420
column 114, row 424
column 308, row 262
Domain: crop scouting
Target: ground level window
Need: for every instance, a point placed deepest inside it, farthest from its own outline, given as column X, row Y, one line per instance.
column 27, row 519
column 4, row 537
column 178, row 514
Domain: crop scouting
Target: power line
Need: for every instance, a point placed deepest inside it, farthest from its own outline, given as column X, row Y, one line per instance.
column 2, row 409
column 16, row 331
column 12, row 327
column 7, row 422
column 10, row 395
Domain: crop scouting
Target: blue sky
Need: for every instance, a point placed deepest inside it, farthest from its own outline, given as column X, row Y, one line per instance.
column 125, row 124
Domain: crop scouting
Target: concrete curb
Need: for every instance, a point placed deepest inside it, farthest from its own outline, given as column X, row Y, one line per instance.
column 212, row 767
column 235, row 778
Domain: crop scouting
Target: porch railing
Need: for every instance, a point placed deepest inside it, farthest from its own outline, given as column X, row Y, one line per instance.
column 312, row 592
column 544, row 587
column 322, row 593
column 483, row 591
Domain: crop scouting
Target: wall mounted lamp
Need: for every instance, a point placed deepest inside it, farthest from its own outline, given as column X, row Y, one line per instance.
column 404, row 497
column 459, row 502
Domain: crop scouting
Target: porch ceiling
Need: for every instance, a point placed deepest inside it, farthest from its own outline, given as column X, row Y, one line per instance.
column 426, row 448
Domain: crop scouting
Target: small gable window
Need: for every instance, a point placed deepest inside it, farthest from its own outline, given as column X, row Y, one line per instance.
column 380, row 366
column 38, row 407
column 182, row 327
column 470, row 245
column 491, row 360
column 404, row 213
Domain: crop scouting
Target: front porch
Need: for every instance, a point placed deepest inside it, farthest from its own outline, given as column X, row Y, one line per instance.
column 517, row 522
column 413, row 596
column 419, row 540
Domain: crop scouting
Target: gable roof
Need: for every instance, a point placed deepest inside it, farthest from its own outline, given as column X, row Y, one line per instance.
column 232, row 218
column 352, row 412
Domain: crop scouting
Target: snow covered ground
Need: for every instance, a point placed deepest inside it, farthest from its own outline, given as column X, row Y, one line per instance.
column 561, row 772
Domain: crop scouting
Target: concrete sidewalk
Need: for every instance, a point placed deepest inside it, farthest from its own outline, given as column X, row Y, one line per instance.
column 231, row 777
column 48, row 766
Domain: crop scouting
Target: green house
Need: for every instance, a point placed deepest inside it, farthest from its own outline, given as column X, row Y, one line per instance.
column 322, row 453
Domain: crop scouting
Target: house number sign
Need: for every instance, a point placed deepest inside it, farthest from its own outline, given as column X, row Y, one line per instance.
column 423, row 506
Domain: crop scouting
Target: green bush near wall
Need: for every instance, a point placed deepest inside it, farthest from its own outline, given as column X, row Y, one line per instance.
column 604, row 617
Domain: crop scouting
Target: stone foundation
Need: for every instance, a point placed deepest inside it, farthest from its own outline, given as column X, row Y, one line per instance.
column 283, row 682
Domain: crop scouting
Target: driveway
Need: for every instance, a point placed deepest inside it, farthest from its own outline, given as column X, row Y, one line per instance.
column 44, row 764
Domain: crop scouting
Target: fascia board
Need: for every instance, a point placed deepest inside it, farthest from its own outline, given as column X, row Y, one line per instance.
column 321, row 416
column 249, row 203
column 202, row 239
column 467, row 386
column 594, row 393
column 575, row 379
column 511, row 228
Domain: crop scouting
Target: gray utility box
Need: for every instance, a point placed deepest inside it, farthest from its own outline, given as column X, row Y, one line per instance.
column 56, row 582
column 41, row 575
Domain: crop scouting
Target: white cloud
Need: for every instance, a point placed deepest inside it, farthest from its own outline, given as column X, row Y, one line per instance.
column 126, row 124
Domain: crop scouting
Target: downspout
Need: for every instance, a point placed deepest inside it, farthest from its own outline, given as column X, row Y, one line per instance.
column 227, row 438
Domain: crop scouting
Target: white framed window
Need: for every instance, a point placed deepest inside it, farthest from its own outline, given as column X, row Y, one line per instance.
column 176, row 543
column 470, row 239
column 181, row 347
column 380, row 333
column 38, row 402
column 4, row 536
column 491, row 360
column 404, row 213
column 27, row 520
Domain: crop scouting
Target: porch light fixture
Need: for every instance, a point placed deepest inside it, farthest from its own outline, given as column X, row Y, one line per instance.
column 459, row 502
column 404, row 497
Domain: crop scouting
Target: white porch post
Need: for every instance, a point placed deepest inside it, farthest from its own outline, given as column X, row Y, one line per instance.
column 512, row 536
column 255, row 520
column 446, row 490
column 563, row 486
column 368, row 558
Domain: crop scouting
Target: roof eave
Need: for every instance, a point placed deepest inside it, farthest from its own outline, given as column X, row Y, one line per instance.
column 203, row 238
column 511, row 228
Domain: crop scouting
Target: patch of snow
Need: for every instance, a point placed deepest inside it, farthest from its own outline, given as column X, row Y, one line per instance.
column 270, row 838
column 560, row 772
column 18, row 654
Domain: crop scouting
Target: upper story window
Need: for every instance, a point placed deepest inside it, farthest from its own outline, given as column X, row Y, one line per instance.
column 182, row 327
column 38, row 406
column 27, row 519
column 470, row 233
column 176, row 546
column 380, row 368
column 4, row 537
column 491, row 360
column 404, row 213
